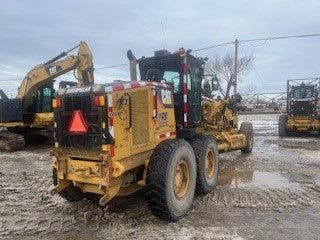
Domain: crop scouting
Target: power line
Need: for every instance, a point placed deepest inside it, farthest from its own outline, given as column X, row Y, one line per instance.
column 10, row 79
column 259, row 39
column 281, row 37
column 214, row 46
column 113, row 66
column 100, row 68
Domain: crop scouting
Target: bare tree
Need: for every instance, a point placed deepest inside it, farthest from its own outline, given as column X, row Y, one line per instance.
column 223, row 67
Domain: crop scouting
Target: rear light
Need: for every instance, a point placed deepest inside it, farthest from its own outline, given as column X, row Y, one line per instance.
column 99, row 101
column 56, row 103
column 78, row 124
column 155, row 107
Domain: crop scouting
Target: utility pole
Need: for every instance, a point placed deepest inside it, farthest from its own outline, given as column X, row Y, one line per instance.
column 235, row 72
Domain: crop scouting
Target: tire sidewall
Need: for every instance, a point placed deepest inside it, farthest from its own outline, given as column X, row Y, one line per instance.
column 282, row 125
column 210, row 183
column 179, row 207
column 250, row 139
column 247, row 129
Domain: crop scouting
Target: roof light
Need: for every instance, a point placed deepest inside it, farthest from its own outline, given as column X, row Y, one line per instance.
column 78, row 124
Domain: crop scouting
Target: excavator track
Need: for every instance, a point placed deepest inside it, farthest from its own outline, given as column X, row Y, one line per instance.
column 10, row 141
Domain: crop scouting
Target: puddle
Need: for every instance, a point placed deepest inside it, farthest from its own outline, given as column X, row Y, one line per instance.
column 254, row 179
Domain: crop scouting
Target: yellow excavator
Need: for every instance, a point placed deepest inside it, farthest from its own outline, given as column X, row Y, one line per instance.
column 31, row 111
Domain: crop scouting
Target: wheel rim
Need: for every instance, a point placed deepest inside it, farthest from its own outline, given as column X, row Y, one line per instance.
column 181, row 179
column 210, row 162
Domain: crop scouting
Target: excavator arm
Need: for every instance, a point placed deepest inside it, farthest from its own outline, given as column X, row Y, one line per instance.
column 45, row 73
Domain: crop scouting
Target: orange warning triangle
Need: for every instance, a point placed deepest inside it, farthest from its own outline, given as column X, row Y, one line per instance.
column 77, row 123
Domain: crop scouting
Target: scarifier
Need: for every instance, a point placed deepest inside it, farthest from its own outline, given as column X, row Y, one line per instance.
column 158, row 133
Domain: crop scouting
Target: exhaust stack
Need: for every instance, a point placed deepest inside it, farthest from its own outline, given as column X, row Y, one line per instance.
column 133, row 65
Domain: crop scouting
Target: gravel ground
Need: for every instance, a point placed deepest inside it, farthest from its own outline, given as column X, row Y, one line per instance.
column 272, row 193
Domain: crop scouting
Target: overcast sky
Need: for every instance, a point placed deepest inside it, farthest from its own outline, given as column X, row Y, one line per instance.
column 31, row 32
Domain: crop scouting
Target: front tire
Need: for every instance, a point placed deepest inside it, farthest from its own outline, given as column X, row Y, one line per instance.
column 247, row 129
column 207, row 156
column 171, row 180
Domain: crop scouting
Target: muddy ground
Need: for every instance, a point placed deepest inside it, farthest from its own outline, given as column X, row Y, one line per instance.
column 272, row 193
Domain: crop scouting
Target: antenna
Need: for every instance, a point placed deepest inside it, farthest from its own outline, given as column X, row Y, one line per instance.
column 164, row 35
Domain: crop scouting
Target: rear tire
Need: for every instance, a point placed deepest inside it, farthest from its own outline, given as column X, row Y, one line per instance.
column 71, row 193
column 282, row 125
column 171, row 180
column 207, row 157
column 247, row 129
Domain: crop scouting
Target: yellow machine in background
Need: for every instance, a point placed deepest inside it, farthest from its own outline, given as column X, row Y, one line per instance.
column 159, row 133
column 31, row 110
column 303, row 107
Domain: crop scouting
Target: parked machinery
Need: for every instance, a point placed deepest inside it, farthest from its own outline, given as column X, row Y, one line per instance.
column 31, row 110
column 158, row 133
column 303, row 107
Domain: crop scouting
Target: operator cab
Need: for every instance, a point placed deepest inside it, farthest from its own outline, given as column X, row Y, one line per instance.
column 302, row 99
column 184, row 73
column 303, row 92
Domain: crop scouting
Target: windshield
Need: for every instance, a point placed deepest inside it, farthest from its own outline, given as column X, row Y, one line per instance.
column 302, row 92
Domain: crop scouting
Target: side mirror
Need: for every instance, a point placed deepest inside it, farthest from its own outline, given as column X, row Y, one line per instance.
column 215, row 83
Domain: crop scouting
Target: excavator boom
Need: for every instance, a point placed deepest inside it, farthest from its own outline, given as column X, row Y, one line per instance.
column 44, row 73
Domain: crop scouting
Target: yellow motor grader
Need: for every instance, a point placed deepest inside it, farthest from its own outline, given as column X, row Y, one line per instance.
column 31, row 111
column 159, row 133
column 303, row 107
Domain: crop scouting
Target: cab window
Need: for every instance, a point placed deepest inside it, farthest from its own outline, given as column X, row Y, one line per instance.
column 173, row 78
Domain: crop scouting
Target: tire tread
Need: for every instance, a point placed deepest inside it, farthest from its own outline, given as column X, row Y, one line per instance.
column 156, row 179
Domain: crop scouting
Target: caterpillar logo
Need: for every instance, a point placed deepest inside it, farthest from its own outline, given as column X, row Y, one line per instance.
column 53, row 69
column 166, row 97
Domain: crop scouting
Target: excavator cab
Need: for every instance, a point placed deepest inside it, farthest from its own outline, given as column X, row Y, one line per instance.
column 184, row 73
column 43, row 98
